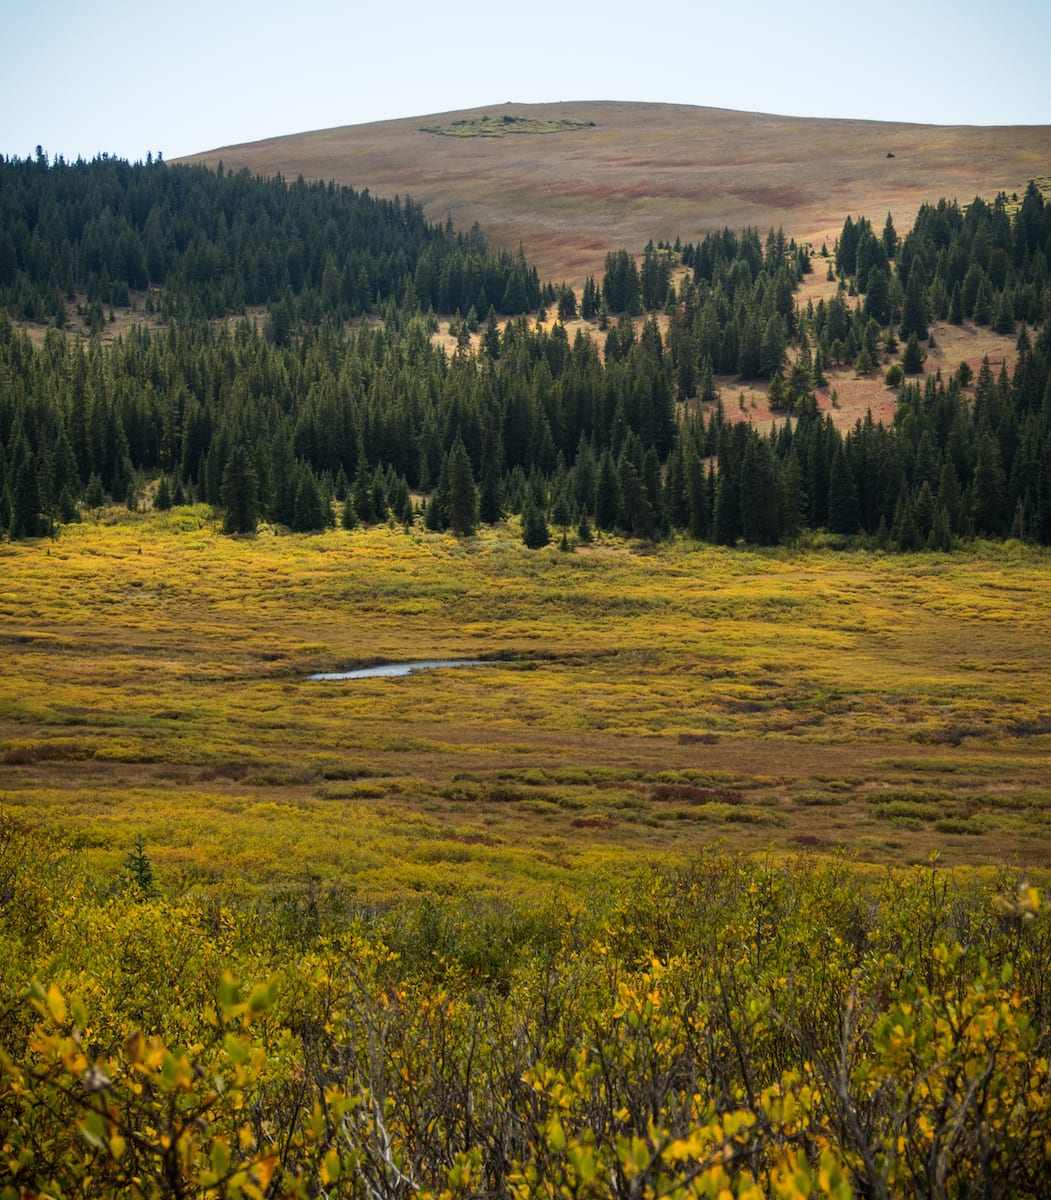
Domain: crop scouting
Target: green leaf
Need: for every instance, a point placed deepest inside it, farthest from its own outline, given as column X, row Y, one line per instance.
column 93, row 1129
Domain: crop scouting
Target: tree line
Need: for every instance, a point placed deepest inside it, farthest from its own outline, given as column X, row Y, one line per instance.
column 316, row 419
column 214, row 242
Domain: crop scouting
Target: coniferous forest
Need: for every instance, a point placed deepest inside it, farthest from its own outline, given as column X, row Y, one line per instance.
column 333, row 402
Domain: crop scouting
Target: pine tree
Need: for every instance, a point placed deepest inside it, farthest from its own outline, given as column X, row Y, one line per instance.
column 535, row 532
column 697, row 496
column 462, row 511
column 607, row 494
column 760, row 515
column 890, row 238
column 843, row 509
column 23, row 489
column 904, row 532
column 1004, row 316
column 915, row 314
column 983, row 304
column 309, row 514
column 940, row 538
column 238, row 493
column 989, row 488
column 162, row 498
column 138, row 877
column 793, row 498
column 772, row 352
column 913, row 357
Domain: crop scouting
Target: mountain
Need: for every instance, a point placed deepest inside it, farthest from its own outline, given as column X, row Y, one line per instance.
column 572, row 181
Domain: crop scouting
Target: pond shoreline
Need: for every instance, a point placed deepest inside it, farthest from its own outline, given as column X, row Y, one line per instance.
column 397, row 670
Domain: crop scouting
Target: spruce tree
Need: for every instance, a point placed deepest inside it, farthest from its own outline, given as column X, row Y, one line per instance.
column 915, row 313
column 913, row 357
column 138, row 877
column 843, row 509
column 362, row 491
column 989, row 488
column 535, row 532
column 462, row 498
column 309, row 514
column 607, row 494
column 238, row 493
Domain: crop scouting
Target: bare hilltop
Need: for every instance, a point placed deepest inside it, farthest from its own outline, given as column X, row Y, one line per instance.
column 571, row 181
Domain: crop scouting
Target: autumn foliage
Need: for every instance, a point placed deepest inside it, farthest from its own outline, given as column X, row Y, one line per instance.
column 742, row 1027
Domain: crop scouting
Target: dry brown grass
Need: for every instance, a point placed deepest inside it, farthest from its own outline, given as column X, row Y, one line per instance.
column 655, row 171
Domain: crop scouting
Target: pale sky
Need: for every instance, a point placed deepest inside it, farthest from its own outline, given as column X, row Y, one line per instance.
column 130, row 78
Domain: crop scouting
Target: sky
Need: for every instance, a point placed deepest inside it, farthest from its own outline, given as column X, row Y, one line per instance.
column 128, row 79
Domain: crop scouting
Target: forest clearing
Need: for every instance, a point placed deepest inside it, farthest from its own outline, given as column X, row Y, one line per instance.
column 642, row 701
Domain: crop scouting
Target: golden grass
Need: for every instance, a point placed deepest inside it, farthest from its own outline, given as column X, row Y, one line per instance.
column 154, row 680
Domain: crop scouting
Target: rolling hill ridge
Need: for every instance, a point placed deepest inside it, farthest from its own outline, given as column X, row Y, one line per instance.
column 609, row 174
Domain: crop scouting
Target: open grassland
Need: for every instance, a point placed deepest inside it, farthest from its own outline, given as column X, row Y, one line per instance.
column 154, row 682
column 661, row 171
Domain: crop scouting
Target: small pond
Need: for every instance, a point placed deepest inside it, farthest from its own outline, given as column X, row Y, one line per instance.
column 387, row 670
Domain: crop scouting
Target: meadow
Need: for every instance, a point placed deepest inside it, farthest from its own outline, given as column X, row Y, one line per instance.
column 641, row 703
column 622, row 173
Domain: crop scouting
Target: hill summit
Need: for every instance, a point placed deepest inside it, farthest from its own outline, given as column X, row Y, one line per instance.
column 571, row 181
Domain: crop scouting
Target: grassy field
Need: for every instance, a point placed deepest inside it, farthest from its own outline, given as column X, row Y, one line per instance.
column 154, row 682
column 642, row 171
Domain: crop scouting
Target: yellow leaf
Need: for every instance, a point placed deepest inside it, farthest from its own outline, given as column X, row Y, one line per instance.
column 56, row 1005
column 556, row 1135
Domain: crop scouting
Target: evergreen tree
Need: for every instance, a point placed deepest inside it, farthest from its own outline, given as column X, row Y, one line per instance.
column 607, row 494
column 890, row 238
column 309, row 514
column 535, row 532
column 760, row 515
column 915, row 313
column 462, row 510
column 913, row 357
column 697, row 497
column 362, row 492
column 949, row 498
column 725, row 518
column 843, row 509
column 983, row 304
column 904, row 532
column 877, row 298
column 989, row 488
column 23, row 487
column 138, row 877
column 772, row 353
column 238, row 493
column 793, row 498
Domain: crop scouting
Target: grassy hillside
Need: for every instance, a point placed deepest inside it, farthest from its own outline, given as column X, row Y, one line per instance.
column 596, row 176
